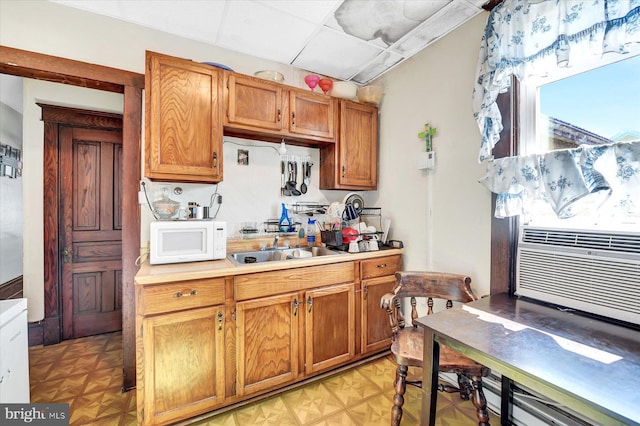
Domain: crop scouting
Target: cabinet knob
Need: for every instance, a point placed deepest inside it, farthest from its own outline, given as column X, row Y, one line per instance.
column 279, row 115
column 344, row 171
column 382, row 265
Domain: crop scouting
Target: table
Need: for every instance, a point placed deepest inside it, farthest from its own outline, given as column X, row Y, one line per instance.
column 589, row 365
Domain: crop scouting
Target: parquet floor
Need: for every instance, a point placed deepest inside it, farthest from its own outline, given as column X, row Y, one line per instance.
column 86, row 373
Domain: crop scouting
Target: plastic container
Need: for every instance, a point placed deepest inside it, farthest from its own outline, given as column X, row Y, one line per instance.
column 344, row 89
column 311, row 232
column 284, row 224
column 370, row 94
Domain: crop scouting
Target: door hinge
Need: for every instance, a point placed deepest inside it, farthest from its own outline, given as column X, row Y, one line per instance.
column 141, row 331
column 233, row 315
column 142, row 414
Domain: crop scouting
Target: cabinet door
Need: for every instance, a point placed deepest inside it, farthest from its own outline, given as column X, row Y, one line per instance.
column 329, row 326
column 252, row 102
column 376, row 330
column 267, row 342
column 183, row 364
column 183, row 120
column 312, row 114
column 358, row 146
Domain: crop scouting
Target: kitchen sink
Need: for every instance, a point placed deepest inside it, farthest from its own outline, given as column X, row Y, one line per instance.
column 273, row 255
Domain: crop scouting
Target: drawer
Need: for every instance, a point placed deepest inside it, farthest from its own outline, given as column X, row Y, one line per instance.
column 181, row 295
column 379, row 267
column 264, row 284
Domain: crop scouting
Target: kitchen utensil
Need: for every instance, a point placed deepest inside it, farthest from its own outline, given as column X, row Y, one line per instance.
column 311, row 80
column 283, row 178
column 303, row 186
column 325, row 84
column 293, row 176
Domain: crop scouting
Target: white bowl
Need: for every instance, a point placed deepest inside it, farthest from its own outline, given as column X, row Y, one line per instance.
column 344, row 89
column 270, row 75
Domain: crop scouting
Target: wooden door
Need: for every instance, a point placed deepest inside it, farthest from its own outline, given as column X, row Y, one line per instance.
column 358, row 146
column 91, row 231
column 312, row 114
column 376, row 330
column 267, row 342
column 329, row 326
column 183, row 364
column 253, row 103
column 183, row 120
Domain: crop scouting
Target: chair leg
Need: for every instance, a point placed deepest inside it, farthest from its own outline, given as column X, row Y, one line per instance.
column 480, row 402
column 398, row 399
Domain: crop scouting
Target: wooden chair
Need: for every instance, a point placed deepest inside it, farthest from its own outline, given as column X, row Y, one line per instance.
column 408, row 341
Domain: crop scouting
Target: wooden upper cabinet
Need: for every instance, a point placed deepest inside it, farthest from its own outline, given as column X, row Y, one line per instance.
column 353, row 162
column 183, row 106
column 312, row 114
column 253, row 103
column 266, row 110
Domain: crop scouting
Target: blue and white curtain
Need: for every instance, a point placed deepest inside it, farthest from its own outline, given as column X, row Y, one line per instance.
column 571, row 181
column 528, row 38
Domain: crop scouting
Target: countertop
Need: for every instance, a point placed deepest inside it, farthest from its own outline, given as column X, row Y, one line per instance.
column 159, row 274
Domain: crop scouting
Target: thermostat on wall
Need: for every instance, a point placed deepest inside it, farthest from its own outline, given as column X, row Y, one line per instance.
column 427, row 160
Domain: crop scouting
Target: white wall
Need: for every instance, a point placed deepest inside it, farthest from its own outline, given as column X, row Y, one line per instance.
column 442, row 216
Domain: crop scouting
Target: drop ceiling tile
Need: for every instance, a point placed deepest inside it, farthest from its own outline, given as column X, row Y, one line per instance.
column 444, row 21
column 193, row 19
column 334, row 54
column 384, row 62
column 382, row 23
column 255, row 29
column 315, row 11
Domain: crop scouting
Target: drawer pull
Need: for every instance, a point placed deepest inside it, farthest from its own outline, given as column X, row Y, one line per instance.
column 383, row 265
column 295, row 307
column 365, row 292
column 181, row 294
column 310, row 303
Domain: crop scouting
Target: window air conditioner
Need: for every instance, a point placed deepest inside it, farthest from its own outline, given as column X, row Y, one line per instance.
column 591, row 271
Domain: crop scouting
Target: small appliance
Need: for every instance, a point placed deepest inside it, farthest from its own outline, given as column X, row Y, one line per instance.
column 177, row 241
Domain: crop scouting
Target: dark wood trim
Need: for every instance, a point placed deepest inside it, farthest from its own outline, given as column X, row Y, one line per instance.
column 132, row 123
column 80, row 117
column 11, row 289
column 504, row 232
column 67, row 71
column 35, row 333
column 44, row 67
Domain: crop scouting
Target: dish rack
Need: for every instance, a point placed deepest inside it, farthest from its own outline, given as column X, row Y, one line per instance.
column 372, row 216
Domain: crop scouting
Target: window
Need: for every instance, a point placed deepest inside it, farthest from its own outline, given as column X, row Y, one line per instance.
column 593, row 107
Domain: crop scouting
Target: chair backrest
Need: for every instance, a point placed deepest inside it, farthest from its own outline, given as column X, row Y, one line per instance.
column 429, row 285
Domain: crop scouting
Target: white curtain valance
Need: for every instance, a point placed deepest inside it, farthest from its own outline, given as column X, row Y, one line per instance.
column 527, row 37
column 571, row 181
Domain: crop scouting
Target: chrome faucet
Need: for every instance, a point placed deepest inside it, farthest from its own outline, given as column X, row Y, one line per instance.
column 275, row 241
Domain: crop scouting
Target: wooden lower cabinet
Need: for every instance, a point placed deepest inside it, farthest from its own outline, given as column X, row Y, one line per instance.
column 204, row 344
column 183, row 365
column 329, row 327
column 267, row 342
column 378, row 278
column 273, row 332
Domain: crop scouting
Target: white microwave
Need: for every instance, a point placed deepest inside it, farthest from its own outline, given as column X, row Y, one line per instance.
column 177, row 241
